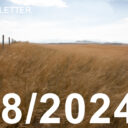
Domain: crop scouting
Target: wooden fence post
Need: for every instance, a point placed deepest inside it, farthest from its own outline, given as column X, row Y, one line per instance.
column 9, row 40
column 2, row 41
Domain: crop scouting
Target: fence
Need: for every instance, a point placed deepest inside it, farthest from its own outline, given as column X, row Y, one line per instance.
column 9, row 41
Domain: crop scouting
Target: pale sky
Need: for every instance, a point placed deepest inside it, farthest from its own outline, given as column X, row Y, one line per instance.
column 66, row 20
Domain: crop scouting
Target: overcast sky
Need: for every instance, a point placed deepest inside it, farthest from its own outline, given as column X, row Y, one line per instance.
column 66, row 20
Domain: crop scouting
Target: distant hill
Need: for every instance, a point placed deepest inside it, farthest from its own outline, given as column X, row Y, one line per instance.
column 94, row 42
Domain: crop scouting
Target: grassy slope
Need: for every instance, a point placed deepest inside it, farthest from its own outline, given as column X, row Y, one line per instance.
column 64, row 69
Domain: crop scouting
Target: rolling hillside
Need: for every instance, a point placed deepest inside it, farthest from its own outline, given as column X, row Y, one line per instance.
column 64, row 69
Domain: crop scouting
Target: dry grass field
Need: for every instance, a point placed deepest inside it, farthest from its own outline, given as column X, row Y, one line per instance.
column 64, row 69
